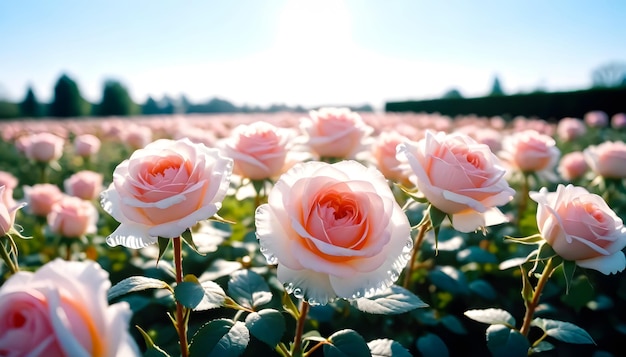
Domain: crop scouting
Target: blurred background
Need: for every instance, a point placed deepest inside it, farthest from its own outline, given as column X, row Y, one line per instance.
column 71, row 58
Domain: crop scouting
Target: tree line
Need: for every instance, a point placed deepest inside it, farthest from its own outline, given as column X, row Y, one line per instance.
column 68, row 102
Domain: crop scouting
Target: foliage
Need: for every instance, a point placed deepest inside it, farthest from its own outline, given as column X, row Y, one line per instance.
column 467, row 294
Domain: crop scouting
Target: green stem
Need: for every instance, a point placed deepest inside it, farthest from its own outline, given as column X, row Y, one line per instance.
column 532, row 305
column 181, row 322
column 7, row 258
column 419, row 240
column 297, row 340
column 282, row 350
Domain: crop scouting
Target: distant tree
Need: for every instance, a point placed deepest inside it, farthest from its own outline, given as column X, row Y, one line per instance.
column 67, row 100
column 30, row 107
column 496, row 87
column 8, row 110
column 150, row 107
column 452, row 94
column 167, row 105
column 116, row 100
column 183, row 104
column 612, row 74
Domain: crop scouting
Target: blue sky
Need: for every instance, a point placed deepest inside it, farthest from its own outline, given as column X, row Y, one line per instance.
column 316, row 52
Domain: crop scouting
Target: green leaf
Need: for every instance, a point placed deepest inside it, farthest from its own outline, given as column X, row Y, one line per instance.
column 346, row 343
column 580, row 293
column 394, row 300
column 384, row 347
column 430, row 345
column 491, row 316
column 189, row 293
column 453, row 324
column 542, row 347
column 476, row 254
column 135, row 283
column 506, row 342
column 152, row 350
column 533, row 239
column 483, row 289
column 268, row 325
column 249, row 289
column 163, row 243
column 220, row 338
column 213, row 297
column 289, row 306
column 569, row 267
column 436, row 217
column 527, row 288
column 188, row 238
column 563, row 331
column 450, row 279
column 387, row 348
column 545, row 252
column 411, row 192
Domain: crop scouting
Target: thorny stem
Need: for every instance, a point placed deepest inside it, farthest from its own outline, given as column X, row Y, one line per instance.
column 297, row 340
column 181, row 322
column 7, row 259
column 419, row 239
column 532, row 305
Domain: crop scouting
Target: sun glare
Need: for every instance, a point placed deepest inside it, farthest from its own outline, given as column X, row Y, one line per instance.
column 306, row 27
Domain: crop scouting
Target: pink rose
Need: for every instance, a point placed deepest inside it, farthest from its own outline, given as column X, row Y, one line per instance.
column 569, row 129
column 73, row 217
column 531, row 151
column 62, row 310
column 8, row 180
column 84, row 184
column 618, row 121
column 385, row 159
column 573, row 165
column 460, row 177
column 335, row 132
column 607, row 159
column 596, row 119
column 259, row 150
column 335, row 231
column 44, row 147
column 580, row 226
column 86, row 145
column 163, row 189
column 137, row 137
column 41, row 197
column 8, row 209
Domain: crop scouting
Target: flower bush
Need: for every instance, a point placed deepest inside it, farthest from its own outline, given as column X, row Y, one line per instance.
column 326, row 233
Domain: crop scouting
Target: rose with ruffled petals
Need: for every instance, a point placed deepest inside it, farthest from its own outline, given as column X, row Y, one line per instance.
column 607, row 159
column 62, row 310
column 41, row 197
column 260, row 150
column 580, row 226
column 163, row 189
column 44, row 147
column 8, row 210
column 73, row 217
column 531, row 151
column 386, row 160
column 335, row 132
column 87, row 145
column 335, row 231
column 460, row 177
column 84, row 184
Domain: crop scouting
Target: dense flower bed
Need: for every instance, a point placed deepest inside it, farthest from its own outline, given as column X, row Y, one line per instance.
column 331, row 233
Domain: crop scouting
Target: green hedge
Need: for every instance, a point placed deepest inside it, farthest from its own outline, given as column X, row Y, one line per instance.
column 549, row 106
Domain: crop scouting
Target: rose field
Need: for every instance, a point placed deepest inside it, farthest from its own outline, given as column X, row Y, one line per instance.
column 328, row 233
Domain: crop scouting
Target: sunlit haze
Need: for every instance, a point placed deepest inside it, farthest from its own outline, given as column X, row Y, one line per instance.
column 311, row 53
